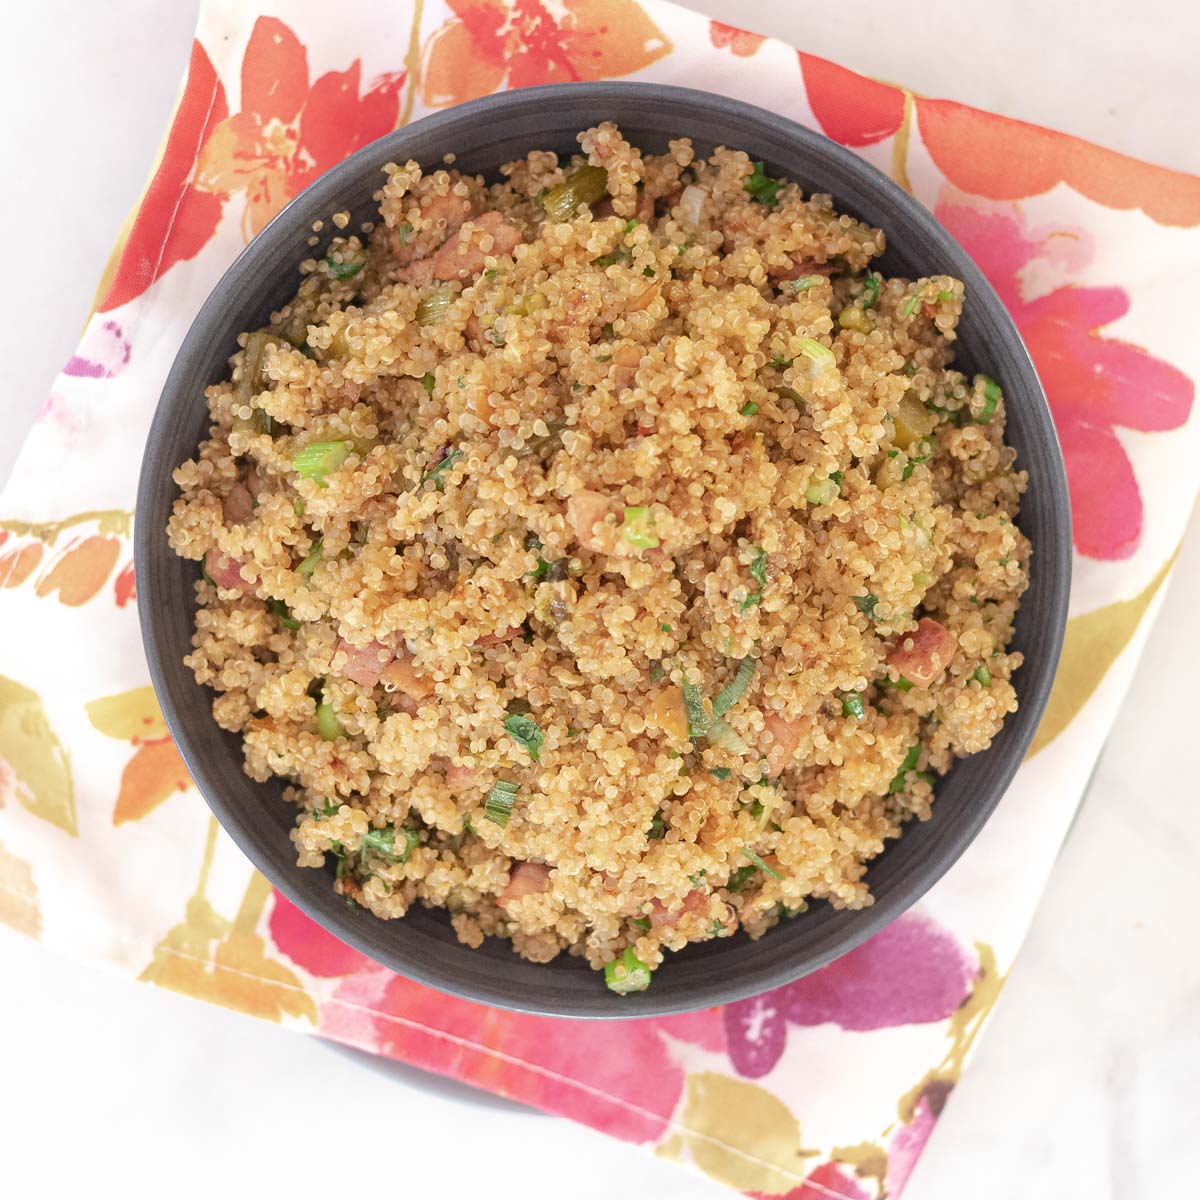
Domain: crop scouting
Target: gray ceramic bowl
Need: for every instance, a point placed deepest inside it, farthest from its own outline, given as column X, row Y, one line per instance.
column 483, row 135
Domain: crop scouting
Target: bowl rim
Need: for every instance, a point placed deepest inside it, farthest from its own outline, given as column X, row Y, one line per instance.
column 320, row 199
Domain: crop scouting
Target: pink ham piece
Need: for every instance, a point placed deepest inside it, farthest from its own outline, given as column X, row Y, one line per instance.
column 226, row 571
column 585, row 510
column 238, row 505
column 662, row 917
column 785, row 737
column 462, row 257
column 365, row 664
column 527, row 879
column 921, row 656
column 462, row 779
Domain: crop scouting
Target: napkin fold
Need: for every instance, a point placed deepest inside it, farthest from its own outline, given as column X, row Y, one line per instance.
column 827, row 1087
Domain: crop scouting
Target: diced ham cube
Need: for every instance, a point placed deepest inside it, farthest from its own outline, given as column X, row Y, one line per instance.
column 585, row 510
column 400, row 675
column 921, row 656
column 527, row 879
column 445, row 215
column 661, row 917
column 785, row 737
column 238, row 505
column 462, row 779
column 462, row 256
column 226, row 571
column 364, row 664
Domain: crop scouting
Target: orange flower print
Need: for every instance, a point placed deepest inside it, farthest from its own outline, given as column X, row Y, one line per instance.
column 80, row 571
column 739, row 41
column 288, row 132
column 175, row 219
column 1003, row 159
column 851, row 108
column 155, row 771
column 19, row 562
column 489, row 42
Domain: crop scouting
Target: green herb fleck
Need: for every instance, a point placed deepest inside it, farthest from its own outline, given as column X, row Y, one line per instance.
column 900, row 781
column 760, row 864
column 982, row 675
column 437, row 472
column 866, row 604
column 345, row 270
column 284, row 614
column 871, row 289
column 526, row 732
column 910, row 306
column 721, row 773
column 740, row 877
column 762, row 187
column 749, row 409
column 852, row 705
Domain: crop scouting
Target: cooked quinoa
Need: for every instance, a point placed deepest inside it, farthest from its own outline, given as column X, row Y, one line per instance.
column 608, row 555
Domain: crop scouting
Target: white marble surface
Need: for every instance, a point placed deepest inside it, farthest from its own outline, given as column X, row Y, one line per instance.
column 1086, row 1083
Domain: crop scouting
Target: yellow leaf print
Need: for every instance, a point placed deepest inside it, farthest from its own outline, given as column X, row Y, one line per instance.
column 1092, row 644
column 233, row 971
column 743, row 1135
column 132, row 716
column 18, row 896
column 36, row 756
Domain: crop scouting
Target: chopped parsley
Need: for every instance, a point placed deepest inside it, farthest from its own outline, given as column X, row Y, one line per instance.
column 526, row 732
column 866, row 604
column 758, row 572
column 762, row 187
column 437, row 471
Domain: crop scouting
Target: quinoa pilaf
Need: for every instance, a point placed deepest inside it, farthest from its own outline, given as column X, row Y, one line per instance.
column 608, row 555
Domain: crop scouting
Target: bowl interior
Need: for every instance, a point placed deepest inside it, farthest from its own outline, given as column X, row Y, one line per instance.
column 484, row 135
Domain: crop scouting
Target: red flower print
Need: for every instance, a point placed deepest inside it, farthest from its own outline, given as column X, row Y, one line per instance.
column 739, row 41
column 175, row 219
column 309, row 946
column 826, row 1182
column 1093, row 383
column 851, row 108
column 488, row 41
column 617, row 1076
column 124, row 586
column 1003, row 159
column 287, row 133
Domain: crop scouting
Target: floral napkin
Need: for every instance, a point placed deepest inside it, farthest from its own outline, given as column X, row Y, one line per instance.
column 830, row 1086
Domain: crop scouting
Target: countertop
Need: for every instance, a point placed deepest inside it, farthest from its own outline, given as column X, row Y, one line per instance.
column 1085, row 1084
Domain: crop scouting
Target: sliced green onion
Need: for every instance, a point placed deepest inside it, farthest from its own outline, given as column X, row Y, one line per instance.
column 762, row 187
column 583, row 186
column 526, row 732
column 871, row 287
column 758, row 567
column 330, row 808
column 730, row 695
column 991, row 398
column 383, row 841
column 805, row 282
column 318, row 459
column 852, row 705
column 925, row 777
column 894, row 685
column 251, row 381
column 698, row 719
column 427, row 382
column 403, row 232
column 309, row 564
column 328, row 725
column 787, row 393
column 433, row 308
column 982, row 675
column 817, row 353
column 758, row 862
column 749, row 409
column 780, row 363
column 497, row 808
column 839, row 478
column 910, row 306
column 638, row 527
column 642, row 923
column 945, row 297
column 721, row 773
column 658, row 827
column 721, row 734
column 657, row 672
column 866, row 604
column 901, row 778
column 345, row 270
column 298, row 507
column 626, row 974
column 284, row 614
